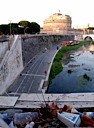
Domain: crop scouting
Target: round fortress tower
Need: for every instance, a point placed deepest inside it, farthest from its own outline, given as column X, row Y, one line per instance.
column 57, row 23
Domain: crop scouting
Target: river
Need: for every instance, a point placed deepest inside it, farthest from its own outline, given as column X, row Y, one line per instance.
column 77, row 75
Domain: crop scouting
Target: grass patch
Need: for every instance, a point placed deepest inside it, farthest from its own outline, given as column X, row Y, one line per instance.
column 57, row 66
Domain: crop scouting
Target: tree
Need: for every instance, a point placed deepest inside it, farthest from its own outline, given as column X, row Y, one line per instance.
column 14, row 28
column 20, row 28
column 91, row 28
column 4, row 29
column 34, row 28
column 24, row 24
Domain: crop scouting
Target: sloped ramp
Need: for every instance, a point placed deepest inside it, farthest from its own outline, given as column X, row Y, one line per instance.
column 3, row 124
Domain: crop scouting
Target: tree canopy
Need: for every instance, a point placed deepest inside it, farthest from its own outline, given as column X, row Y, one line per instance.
column 91, row 28
column 34, row 28
column 24, row 23
column 21, row 27
column 4, row 29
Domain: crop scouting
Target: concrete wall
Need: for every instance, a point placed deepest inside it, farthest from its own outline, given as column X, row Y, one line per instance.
column 11, row 65
column 32, row 45
column 3, row 49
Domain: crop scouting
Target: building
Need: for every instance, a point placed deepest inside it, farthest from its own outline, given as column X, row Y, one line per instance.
column 61, row 24
column 57, row 23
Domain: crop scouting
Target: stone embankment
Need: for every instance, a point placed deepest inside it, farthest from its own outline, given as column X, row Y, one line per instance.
column 32, row 45
column 20, row 53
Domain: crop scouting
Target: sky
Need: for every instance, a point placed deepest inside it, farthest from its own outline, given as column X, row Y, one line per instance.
column 81, row 11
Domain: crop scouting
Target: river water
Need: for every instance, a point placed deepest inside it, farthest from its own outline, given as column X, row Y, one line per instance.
column 79, row 63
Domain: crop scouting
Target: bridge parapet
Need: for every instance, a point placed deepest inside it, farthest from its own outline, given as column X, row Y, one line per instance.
column 33, row 100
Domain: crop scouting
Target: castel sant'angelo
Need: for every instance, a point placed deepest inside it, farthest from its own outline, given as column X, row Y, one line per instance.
column 60, row 24
column 57, row 23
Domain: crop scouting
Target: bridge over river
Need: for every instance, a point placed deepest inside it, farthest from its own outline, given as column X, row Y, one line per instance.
column 88, row 37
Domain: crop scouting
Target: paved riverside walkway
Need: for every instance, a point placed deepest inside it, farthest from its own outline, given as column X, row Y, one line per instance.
column 30, row 80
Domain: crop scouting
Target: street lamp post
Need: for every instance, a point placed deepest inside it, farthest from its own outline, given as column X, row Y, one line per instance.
column 10, row 26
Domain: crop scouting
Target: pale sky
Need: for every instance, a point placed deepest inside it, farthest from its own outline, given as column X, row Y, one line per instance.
column 81, row 11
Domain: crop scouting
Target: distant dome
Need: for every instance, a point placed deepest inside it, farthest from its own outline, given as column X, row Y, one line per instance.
column 57, row 22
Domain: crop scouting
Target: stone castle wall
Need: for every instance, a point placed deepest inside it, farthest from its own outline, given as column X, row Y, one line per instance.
column 57, row 22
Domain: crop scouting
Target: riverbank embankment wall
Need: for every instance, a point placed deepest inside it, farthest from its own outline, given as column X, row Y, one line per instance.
column 33, row 45
column 23, row 49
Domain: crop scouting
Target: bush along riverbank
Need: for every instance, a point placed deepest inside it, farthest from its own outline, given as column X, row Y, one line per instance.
column 57, row 66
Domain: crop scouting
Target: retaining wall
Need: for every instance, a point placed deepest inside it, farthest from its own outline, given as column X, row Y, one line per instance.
column 3, row 49
column 32, row 45
column 21, row 52
column 11, row 65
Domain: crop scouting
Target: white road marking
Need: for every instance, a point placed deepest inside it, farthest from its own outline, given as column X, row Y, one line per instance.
column 28, row 72
column 32, row 75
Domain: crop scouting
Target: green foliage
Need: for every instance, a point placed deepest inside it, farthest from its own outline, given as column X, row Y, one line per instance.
column 14, row 28
column 24, row 23
column 28, row 27
column 34, row 28
column 91, row 28
column 21, row 27
column 57, row 66
column 58, row 56
column 24, row 26
column 4, row 29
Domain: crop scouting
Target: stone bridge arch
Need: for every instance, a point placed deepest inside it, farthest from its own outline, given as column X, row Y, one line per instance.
column 88, row 38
